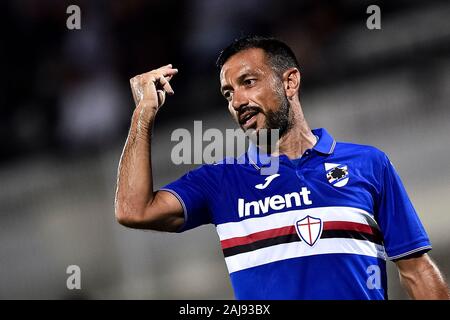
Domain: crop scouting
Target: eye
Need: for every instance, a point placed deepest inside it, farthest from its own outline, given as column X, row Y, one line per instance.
column 227, row 95
column 249, row 82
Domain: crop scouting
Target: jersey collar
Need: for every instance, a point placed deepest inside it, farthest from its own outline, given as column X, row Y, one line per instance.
column 326, row 142
column 325, row 146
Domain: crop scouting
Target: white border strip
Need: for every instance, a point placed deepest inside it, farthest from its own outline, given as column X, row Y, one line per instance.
column 300, row 249
column 283, row 219
column 401, row 255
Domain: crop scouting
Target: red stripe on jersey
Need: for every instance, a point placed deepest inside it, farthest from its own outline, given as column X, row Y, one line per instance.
column 266, row 234
column 272, row 233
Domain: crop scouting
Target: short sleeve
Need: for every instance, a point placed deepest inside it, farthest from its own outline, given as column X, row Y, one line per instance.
column 402, row 229
column 194, row 190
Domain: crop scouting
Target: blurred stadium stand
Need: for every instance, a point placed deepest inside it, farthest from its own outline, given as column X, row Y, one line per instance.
column 66, row 103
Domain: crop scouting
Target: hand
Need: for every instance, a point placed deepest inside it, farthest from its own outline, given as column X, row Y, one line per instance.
column 149, row 89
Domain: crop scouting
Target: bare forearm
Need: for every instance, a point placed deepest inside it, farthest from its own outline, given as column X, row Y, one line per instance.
column 425, row 283
column 135, row 182
column 136, row 204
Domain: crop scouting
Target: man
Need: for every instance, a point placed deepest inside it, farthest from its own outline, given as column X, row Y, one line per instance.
column 321, row 227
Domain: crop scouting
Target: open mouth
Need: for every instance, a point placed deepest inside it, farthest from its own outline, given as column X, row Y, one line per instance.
column 248, row 118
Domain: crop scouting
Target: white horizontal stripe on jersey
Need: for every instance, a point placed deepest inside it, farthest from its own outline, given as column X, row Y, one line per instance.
column 288, row 218
column 300, row 249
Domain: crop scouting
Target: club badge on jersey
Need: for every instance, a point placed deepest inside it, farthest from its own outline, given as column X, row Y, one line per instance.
column 337, row 174
column 309, row 229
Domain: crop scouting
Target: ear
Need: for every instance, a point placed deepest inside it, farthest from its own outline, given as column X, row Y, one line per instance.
column 291, row 82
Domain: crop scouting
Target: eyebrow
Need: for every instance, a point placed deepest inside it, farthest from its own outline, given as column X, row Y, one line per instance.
column 239, row 80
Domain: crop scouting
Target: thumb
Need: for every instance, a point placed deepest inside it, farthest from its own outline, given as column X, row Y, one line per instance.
column 161, row 97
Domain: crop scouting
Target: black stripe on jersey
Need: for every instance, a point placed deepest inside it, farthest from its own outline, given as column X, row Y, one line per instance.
column 326, row 234
column 260, row 244
column 351, row 234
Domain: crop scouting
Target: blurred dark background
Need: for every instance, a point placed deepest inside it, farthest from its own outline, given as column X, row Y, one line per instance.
column 66, row 104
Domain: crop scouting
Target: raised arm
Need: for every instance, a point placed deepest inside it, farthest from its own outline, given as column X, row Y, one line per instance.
column 421, row 278
column 136, row 203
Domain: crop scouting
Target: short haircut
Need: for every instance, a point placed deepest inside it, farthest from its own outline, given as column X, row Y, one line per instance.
column 279, row 55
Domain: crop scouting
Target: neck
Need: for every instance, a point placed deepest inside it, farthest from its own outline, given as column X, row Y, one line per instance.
column 299, row 138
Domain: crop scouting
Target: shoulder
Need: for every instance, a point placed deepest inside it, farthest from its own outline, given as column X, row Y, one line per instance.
column 361, row 151
column 215, row 171
column 368, row 161
column 226, row 160
column 208, row 170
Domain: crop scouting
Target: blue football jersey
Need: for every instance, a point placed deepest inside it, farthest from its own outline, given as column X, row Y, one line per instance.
column 321, row 227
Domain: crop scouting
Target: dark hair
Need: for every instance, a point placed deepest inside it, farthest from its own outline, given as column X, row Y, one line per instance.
column 279, row 54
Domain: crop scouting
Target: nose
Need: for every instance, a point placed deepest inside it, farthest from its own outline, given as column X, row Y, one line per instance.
column 239, row 99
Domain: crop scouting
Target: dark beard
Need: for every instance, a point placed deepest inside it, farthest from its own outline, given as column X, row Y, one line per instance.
column 280, row 120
